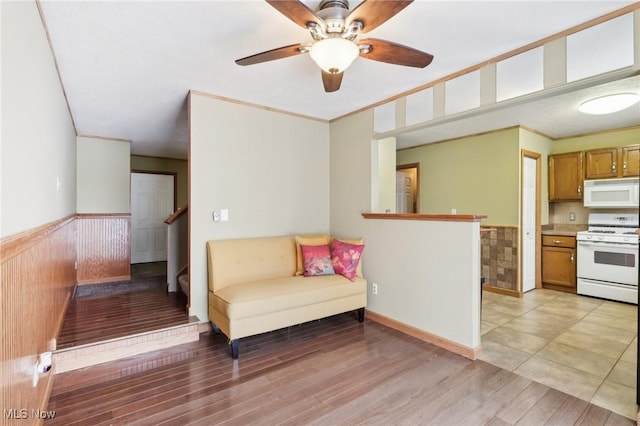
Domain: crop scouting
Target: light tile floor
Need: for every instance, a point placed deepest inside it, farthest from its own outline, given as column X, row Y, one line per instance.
column 583, row 346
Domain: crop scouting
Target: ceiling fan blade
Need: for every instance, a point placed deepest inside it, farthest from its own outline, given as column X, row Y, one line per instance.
column 373, row 13
column 331, row 81
column 393, row 53
column 297, row 11
column 270, row 55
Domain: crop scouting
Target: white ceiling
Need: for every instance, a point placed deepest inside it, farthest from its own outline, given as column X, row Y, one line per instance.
column 127, row 66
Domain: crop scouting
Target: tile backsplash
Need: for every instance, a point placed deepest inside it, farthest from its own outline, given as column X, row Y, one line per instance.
column 559, row 212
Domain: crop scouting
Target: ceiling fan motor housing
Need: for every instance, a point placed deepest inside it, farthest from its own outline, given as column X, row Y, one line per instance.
column 334, row 13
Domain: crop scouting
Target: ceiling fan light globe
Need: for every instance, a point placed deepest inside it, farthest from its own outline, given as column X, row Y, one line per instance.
column 334, row 54
column 609, row 104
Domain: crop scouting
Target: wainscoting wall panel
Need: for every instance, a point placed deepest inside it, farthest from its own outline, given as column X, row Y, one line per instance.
column 37, row 277
column 104, row 252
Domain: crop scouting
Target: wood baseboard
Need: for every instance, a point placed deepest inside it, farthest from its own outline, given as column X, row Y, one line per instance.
column 465, row 351
column 60, row 323
column 498, row 290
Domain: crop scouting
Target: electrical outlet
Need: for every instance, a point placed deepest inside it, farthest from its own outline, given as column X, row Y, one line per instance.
column 572, row 216
column 374, row 288
column 216, row 215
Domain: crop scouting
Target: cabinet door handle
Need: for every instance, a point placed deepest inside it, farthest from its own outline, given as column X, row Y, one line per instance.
column 573, row 258
column 579, row 189
column 613, row 166
column 557, row 242
column 624, row 165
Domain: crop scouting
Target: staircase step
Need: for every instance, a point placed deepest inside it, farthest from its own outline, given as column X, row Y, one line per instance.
column 82, row 356
column 183, row 282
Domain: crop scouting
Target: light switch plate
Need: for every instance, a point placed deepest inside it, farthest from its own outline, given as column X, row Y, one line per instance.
column 224, row 215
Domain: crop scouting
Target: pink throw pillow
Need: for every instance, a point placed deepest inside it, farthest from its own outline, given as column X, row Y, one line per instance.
column 345, row 258
column 316, row 260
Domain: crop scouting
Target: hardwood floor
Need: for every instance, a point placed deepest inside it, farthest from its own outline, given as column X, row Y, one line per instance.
column 94, row 319
column 332, row 371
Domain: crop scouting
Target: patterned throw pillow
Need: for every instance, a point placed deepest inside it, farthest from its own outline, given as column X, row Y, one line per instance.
column 308, row 240
column 345, row 258
column 317, row 260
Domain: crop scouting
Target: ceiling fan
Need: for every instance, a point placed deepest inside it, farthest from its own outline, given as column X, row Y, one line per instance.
column 335, row 30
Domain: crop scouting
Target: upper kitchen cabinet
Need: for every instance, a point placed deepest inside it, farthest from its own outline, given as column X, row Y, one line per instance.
column 612, row 162
column 601, row 163
column 630, row 160
column 566, row 176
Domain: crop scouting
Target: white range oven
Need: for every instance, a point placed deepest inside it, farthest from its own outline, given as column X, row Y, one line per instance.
column 608, row 257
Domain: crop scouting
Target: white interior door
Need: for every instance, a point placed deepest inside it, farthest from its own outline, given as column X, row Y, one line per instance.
column 529, row 189
column 151, row 204
column 404, row 192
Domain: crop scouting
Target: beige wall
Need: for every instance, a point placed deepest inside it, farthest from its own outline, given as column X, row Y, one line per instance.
column 38, row 137
column 474, row 175
column 104, row 175
column 156, row 164
column 387, row 175
column 597, row 140
column 271, row 171
column 428, row 273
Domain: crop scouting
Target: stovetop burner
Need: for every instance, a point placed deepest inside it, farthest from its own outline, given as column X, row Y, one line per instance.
column 611, row 227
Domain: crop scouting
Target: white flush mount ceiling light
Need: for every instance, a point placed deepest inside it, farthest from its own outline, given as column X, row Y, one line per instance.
column 334, row 54
column 609, row 104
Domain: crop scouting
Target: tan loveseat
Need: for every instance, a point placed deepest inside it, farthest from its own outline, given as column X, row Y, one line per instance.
column 253, row 288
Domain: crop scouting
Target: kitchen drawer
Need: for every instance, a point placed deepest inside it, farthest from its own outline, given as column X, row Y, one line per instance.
column 558, row 241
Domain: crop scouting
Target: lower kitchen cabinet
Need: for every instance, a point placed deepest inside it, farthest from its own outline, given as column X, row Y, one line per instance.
column 559, row 262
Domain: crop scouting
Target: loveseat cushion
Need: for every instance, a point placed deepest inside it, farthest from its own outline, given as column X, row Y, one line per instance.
column 232, row 262
column 264, row 297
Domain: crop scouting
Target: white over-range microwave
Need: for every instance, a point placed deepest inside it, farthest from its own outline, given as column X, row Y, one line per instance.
column 611, row 193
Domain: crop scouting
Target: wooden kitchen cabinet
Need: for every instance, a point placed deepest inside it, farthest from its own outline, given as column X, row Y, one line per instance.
column 559, row 262
column 630, row 158
column 566, row 176
column 612, row 162
column 601, row 163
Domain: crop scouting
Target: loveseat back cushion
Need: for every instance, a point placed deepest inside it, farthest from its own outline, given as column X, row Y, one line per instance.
column 245, row 260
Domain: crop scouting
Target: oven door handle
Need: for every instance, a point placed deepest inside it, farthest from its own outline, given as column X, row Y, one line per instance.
column 607, row 244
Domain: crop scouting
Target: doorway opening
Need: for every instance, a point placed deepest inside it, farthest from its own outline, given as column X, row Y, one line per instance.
column 530, row 261
column 408, row 188
column 153, row 200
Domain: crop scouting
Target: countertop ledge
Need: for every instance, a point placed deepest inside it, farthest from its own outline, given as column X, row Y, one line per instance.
column 560, row 233
column 432, row 217
column 563, row 230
